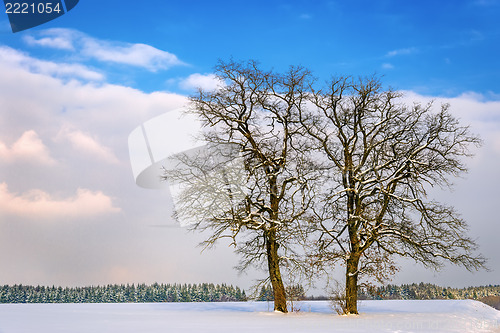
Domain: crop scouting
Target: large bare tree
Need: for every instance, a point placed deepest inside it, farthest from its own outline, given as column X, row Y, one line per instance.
column 250, row 182
column 382, row 157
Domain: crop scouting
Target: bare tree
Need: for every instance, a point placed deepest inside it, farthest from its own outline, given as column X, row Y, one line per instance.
column 383, row 156
column 348, row 161
column 251, row 181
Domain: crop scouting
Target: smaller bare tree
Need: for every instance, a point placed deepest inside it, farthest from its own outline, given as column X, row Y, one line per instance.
column 251, row 181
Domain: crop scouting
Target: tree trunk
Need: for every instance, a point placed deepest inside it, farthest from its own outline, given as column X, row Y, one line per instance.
column 351, row 285
column 274, row 272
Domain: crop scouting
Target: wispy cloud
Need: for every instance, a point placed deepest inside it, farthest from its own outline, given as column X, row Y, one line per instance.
column 55, row 38
column 138, row 55
column 387, row 66
column 86, row 144
column 405, row 51
column 16, row 58
column 41, row 205
column 28, row 148
column 203, row 81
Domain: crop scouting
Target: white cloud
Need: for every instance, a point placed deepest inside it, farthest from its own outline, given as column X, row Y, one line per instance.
column 28, row 148
column 11, row 57
column 476, row 111
column 203, row 81
column 85, row 143
column 108, row 217
column 87, row 124
column 139, row 55
column 41, row 101
column 56, row 38
column 387, row 66
column 471, row 107
column 40, row 205
column 65, row 70
column 398, row 52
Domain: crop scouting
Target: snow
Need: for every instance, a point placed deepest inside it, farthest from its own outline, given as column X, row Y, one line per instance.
column 375, row 316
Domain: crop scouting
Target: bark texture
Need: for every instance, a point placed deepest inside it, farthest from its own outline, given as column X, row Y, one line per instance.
column 275, row 272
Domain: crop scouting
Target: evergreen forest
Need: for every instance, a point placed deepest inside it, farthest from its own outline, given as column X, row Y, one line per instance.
column 209, row 292
column 130, row 293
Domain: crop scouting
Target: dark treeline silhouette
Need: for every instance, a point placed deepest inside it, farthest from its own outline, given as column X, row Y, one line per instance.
column 130, row 293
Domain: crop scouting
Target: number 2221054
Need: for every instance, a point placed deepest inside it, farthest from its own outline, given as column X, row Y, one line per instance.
column 26, row 8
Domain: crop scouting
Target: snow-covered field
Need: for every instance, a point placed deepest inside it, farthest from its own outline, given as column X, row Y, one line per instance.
column 376, row 316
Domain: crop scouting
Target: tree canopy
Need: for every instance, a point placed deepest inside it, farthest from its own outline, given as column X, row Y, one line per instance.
column 342, row 169
column 382, row 157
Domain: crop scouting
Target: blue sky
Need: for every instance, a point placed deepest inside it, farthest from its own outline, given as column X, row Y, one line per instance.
column 440, row 48
column 72, row 90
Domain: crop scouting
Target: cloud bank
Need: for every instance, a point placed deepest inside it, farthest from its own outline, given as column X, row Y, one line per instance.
column 64, row 156
column 37, row 204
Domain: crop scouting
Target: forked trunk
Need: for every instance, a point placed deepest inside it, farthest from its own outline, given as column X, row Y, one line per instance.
column 351, row 285
column 274, row 272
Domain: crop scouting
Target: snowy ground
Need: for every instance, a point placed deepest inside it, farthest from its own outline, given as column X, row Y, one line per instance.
column 376, row 316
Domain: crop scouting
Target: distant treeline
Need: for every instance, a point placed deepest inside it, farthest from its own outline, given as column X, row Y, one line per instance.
column 427, row 291
column 130, row 293
column 487, row 294
column 209, row 292
column 404, row 291
column 294, row 293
